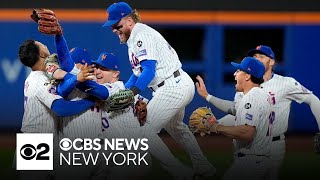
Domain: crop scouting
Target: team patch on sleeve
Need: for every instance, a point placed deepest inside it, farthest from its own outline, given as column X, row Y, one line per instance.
column 247, row 105
column 139, row 43
column 249, row 116
column 143, row 52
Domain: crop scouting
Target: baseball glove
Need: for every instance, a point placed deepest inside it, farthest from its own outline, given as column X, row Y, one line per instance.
column 317, row 143
column 140, row 110
column 52, row 64
column 201, row 120
column 120, row 100
column 47, row 21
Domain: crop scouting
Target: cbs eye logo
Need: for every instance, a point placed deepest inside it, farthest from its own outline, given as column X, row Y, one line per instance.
column 28, row 151
column 65, row 144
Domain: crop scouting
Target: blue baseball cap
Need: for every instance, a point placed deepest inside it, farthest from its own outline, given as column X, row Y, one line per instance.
column 261, row 49
column 80, row 55
column 108, row 61
column 251, row 66
column 116, row 12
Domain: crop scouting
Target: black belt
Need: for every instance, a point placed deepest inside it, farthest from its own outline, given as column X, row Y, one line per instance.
column 276, row 138
column 242, row 155
column 175, row 74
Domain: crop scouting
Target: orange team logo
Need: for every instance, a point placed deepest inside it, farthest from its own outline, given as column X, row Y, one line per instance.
column 103, row 57
column 258, row 47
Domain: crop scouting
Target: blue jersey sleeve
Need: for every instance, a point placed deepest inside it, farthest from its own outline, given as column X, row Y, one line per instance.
column 65, row 60
column 147, row 75
column 132, row 80
column 94, row 89
column 67, row 85
column 65, row 108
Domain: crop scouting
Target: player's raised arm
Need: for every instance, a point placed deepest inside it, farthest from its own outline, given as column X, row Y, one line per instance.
column 224, row 105
column 65, row 60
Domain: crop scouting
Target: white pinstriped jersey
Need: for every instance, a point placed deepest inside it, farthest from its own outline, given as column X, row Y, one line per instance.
column 84, row 125
column 254, row 110
column 145, row 43
column 121, row 123
column 283, row 91
column 38, row 116
column 167, row 107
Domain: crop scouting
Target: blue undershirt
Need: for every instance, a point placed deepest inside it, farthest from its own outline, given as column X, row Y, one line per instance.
column 89, row 87
column 65, row 61
column 65, row 108
column 147, row 75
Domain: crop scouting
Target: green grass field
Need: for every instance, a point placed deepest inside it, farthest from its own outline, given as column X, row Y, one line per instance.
column 297, row 165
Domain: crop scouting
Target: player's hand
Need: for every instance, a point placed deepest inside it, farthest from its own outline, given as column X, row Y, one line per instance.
column 86, row 73
column 201, row 87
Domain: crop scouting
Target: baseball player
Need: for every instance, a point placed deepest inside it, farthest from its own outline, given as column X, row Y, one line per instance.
column 283, row 91
column 121, row 123
column 42, row 105
column 155, row 64
column 84, row 125
column 251, row 129
column 32, row 54
column 90, row 123
column 87, row 124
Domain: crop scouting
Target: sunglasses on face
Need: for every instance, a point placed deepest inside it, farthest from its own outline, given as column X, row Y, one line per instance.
column 118, row 27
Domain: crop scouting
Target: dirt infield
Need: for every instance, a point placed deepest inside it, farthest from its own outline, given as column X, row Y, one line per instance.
column 300, row 143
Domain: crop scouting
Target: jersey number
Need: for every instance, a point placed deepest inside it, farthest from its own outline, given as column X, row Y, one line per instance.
column 134, row 61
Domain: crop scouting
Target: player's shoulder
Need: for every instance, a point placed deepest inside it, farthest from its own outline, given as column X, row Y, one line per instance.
column 256, row 93
column 119, row 84
column 256, row 98
column 238, row 96
column 114, row 85
column 37, row 77
column 290, row 81
column 284, row 79
column 144, row 31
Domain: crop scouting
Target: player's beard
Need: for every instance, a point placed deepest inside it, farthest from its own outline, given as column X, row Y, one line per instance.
column 125, row 36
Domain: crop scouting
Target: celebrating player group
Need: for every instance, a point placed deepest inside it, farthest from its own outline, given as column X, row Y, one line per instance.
column 72, row 96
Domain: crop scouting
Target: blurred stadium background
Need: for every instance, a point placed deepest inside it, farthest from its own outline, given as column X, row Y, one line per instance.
column 207, row 34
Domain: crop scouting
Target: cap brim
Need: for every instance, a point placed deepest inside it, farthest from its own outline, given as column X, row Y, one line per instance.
column 97, row 62
column 236, row 65
column 110, row 23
